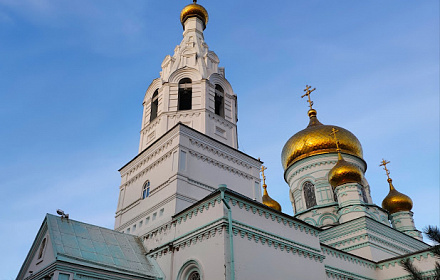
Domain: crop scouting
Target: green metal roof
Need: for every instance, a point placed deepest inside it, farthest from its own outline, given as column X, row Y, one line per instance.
column 94, row 246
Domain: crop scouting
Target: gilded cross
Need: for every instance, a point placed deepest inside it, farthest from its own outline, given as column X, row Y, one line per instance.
column 384, row 164
column 333, row 133
column 262, row 173
column 308, row 91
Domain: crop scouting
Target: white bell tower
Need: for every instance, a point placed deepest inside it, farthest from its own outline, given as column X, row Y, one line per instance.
column 193, row 90
column 188, row 144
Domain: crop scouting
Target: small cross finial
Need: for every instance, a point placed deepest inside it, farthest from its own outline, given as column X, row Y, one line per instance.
column 333, row 133
column 384, row 164
column 262, row 174
column 195, row 1
column 308, row 91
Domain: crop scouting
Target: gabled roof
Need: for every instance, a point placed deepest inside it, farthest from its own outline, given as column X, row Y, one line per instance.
column 97, row 247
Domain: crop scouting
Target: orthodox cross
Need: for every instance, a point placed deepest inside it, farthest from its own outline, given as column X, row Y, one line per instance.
column 262, row 173
column 333, row 133
column 308, row 91
column 384, row 164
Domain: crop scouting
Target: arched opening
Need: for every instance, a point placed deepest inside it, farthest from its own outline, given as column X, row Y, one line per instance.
column 185, row 94
column 309, row 194
column 43, row 245
column 154, row 105
column 190, row 271
column 146, row 190
column 219, row 101
column 364, row 195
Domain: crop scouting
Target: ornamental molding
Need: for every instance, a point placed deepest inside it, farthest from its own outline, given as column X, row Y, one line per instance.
column 271, row 214
column 366, row 224
column 418, row 256
column 183, row 217
column 227, row 150
column 145, row 213
column 336, row 273
column 151, row 125
column 290, row 246
column 147, row 168
column 188, row 239
column 201, row 185
column 309, row 166
column 218, row 152
column 147, row 154
column 184, row 114
column 220, row 120
column 221, row 165
column 348, row 257
column 369, row 238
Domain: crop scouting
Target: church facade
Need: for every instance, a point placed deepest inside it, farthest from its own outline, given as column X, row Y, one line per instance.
column 191, row 207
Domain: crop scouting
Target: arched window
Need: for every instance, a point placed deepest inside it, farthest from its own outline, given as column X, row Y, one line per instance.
column 195, row 275
column 309, row 194
column 154, row 105
column 335, row 196
column 43, row 245
column 219, row 101
column 190, row 271
column 364, row 195
column 185, row 94
column 146, row 190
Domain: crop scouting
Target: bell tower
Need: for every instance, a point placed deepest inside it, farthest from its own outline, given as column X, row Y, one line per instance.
column 188, row 143
column 192, row 89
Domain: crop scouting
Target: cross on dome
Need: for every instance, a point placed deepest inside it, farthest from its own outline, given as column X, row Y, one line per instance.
column 384, row 164
column 333, row 133
column 308, row 91
column 262, row 174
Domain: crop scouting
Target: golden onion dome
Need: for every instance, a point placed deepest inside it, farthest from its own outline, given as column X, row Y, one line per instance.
column 395, row 201
column 268, row 201
column 316, row 139
column 194, row 10
column 344, row 172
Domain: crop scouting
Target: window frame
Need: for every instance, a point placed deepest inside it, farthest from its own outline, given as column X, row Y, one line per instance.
column 145, row 190
column 184, row 98
column 310, row 194
column 154, row 105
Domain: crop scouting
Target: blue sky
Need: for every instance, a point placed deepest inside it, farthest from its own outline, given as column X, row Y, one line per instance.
column 73, row 75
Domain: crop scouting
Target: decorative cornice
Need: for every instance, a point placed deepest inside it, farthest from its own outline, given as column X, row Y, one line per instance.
column 221, row 165
column 142, row 159
column 347, row 257
column 396, row 261
column 147, row 168
column 337, row 273
column 292, row 223
column 366, row 223
column 220, row 120
column 218, row 152
column 263, row 237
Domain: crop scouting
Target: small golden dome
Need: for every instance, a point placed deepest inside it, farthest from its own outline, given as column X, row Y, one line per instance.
column 344, row 172
column 316, row 139
column 395, row 201
column 194, row 10
column 268, row 201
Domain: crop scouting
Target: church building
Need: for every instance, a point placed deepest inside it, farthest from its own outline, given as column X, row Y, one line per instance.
column 193, row 206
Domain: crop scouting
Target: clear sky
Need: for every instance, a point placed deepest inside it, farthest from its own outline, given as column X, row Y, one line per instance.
column 73, row 75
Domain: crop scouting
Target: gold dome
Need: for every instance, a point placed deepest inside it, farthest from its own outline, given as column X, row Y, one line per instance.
column 316, row 139
column 194, row 10
column 268, row 201
column 344, row 172
column 395, row 201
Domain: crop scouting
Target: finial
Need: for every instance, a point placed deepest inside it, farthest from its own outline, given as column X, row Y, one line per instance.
column 384, row 164
column 262, row 174
column 308, row 91
column 195, row 1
